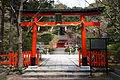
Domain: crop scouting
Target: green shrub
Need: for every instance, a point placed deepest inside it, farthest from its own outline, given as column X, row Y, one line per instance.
column 51, row 49
column 44, row 51
column 73, row 50
column 112, row 49
column 45, row 38
column 67, row 49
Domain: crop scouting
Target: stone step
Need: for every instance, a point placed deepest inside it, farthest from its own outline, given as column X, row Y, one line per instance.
column 61, row 74
column 3, row 75
column 56, row 74
column 117, row 71
column 58, row 52
column 57, row 70
column 118, row 66
column 115, row 76
column 75, row 78
column 59, row 48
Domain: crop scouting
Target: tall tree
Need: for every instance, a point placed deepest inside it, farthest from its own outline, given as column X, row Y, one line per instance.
column 2, row 23
column 20, row 36
column 111, row 16
column 11, row 24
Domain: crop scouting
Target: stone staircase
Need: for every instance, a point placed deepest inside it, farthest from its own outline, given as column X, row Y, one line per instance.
column 61, row 67
column 56, row 74
column 116, row 73
column 60, row 74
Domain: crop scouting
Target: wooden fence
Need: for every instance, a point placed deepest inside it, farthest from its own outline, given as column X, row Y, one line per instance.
column 97, row 58
column 14, row 58
column 27, row 58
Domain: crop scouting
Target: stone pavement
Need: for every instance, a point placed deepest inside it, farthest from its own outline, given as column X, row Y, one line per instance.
column 59, row 67
column 60, row 62
column 59, row 51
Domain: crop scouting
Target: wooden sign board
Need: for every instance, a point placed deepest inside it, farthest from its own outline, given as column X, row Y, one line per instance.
column 98, row 43
column 58, row 18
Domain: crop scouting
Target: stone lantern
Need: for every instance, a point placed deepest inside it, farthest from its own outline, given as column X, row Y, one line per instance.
column 76, row 49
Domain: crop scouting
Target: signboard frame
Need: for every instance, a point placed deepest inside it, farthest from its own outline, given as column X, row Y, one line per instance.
column 92, row 48
column 98, row 44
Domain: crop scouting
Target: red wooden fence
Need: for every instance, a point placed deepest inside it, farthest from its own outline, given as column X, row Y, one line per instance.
column 97, row 58
column 14, row 58
column 27, row 58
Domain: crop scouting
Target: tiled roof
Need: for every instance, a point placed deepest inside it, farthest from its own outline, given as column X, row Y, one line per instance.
column 99, row 9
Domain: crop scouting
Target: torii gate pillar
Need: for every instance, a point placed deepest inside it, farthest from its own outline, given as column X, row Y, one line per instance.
column 34, row 41
column 84, row 50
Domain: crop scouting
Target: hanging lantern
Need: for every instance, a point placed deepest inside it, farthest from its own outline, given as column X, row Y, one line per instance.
column 46, row 28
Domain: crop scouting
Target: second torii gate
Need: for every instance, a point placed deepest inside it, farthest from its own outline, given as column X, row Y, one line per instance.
column 72, row 12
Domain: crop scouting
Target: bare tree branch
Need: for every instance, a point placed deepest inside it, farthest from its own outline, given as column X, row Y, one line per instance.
column 109, row 6
column 89, row 3
column 116, row 3
column 32, row 21
column 110, row 17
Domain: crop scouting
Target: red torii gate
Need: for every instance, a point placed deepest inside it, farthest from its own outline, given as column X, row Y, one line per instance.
column 72, row 12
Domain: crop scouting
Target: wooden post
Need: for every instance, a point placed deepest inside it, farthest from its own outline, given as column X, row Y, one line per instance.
column 10, row 58
column 89, row 57
column 37, row 57
column 96, row 59
column 28, row 58
column 23, row 58
column 13, row 59
column 95, row 54
column 79, row 59
column 101, row 59
column 18, row 59
column 92, row 58
column 104, row 59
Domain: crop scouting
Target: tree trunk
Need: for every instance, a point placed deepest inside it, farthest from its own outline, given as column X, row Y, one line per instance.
column 11, row 24
column 20, row 37
column 2, row 25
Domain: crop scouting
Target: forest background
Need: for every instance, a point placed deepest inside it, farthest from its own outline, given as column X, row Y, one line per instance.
column 13, row 37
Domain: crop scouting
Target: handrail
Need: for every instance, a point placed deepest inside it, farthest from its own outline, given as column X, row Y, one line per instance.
column 4, row 55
